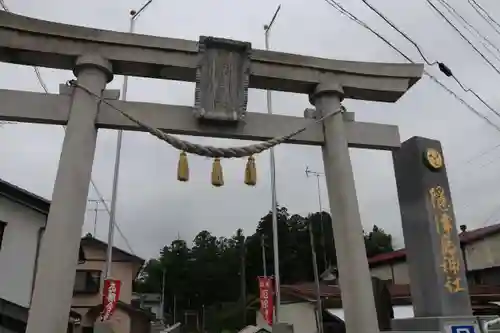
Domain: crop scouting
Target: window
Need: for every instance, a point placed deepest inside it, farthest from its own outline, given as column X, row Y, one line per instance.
column 2, row 229
column 87, row 282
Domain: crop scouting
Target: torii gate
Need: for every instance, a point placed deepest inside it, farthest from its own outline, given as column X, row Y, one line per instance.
column 96, row 55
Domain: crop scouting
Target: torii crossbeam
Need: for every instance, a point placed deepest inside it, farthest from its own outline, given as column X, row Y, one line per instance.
column 96, row 55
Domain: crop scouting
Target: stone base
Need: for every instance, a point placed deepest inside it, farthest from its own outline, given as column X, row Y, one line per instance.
column 282, row 328
column 459, row 324
column 103, row 327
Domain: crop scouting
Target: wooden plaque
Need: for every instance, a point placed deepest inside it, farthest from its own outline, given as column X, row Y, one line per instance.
column 222, row 80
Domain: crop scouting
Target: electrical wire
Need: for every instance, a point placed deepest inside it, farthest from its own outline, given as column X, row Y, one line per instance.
column 463, row 36
column 402, row 33
column 484, row 14
column 443, row 68
column 96, row 189
column 470, row 28
column 351, row 16
column 355, row 19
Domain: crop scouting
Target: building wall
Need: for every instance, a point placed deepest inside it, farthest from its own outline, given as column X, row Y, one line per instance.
column 484, row 253
column 479, row 255
column 19, row 250
column 300, row 315
column 397, row 272
column 123, row 271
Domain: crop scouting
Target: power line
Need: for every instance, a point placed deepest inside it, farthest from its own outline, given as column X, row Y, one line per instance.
column 382, row 16
column 96, row 189
column 442, row 67
column 462, row 35
column 484, row 14
column 470, row 27
column 352, row 17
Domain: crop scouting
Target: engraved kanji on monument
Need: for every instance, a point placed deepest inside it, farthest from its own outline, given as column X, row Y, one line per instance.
column 436, row 269
column 222, row 79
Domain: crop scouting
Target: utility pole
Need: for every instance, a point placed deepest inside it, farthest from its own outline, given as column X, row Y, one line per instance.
column 263, row 248
column 319, row 307
column 316, row 174
column 175, row 309
column 243, row 279
column 274, row 201
column 164, row 275
column 203, row 318
column 112, row 214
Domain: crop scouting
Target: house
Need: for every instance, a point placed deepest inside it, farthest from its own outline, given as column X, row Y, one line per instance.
column 151, row 302
column 23, row 216
column 480, row 249
column 87, row 295
column 299, row 305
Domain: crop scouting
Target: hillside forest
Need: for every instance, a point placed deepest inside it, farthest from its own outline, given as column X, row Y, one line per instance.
column 213, row 279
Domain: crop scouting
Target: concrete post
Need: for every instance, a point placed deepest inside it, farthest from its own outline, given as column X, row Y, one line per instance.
column 355, row 281
column 55, row 277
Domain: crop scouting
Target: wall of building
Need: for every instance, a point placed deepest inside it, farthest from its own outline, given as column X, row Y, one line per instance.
column 479, row 255
column 300, row 315
column 19, row 250
column 484, row 253
column 122, row 271
column 397, row 272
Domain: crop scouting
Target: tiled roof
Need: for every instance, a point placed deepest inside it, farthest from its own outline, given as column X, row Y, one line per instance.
column 92, row 241
column 24, row 197
column 307, row 291
column 466, row 237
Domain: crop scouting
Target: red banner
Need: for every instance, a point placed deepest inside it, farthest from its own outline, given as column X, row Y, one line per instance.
column 111, row 294
column 266, row 299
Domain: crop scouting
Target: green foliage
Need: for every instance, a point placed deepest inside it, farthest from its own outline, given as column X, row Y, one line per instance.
column 215, row 274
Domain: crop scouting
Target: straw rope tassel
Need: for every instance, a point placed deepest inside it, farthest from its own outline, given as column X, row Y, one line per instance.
column 217, row 176
column 251, row 172
column 183, row 168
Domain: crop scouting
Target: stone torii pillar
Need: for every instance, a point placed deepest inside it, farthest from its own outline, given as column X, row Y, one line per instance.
column 220, row 107
column 354, row 274
column 49, row 306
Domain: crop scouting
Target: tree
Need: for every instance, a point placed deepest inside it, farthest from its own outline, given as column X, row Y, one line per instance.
column 377, row 241
column 219, row 274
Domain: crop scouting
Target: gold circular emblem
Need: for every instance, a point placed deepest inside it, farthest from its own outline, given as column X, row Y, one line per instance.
column 434, row 159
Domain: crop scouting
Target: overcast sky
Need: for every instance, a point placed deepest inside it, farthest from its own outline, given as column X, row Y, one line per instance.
column 154, row 208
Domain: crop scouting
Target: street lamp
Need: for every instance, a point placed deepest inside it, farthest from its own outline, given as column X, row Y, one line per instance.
column 111, row 230
column 274, row 202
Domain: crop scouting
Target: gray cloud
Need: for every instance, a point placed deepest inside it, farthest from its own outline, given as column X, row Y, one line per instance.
column 154, row 208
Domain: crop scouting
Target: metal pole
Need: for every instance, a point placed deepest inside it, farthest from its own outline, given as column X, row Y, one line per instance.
column 317, row 175
column 263, row 247
column 163, row 293
column 316, row 280
column 319, row 194
column 116, row 174
column 243, row 280
column 203, row 318
column 274, row 203
column 175, row 310
column 96, row 211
